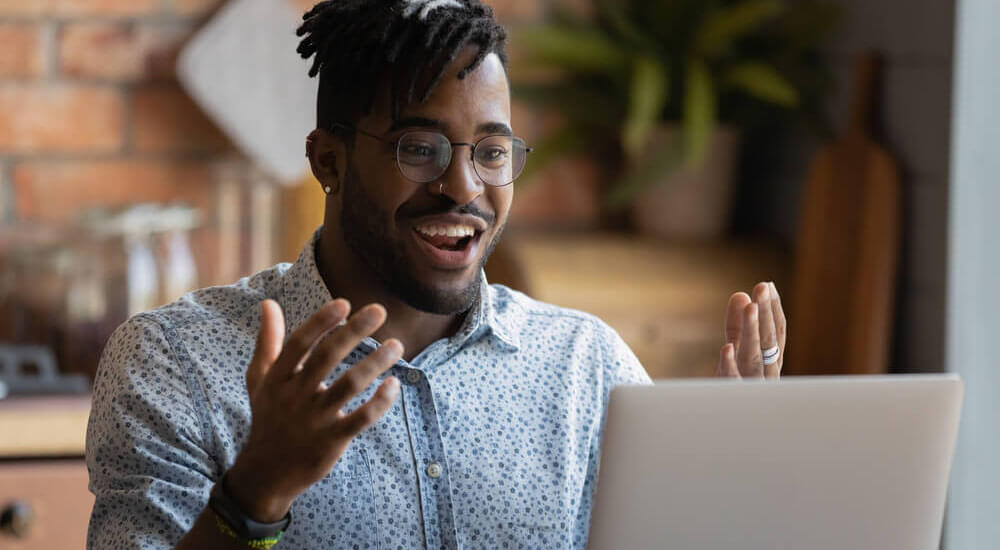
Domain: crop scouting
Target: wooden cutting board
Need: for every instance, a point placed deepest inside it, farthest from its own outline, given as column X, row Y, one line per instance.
column 844, row 284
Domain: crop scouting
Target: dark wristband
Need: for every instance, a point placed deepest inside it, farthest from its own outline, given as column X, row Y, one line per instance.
column 242, row 524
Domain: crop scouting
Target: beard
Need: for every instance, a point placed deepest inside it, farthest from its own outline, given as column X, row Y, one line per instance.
column 362, row 228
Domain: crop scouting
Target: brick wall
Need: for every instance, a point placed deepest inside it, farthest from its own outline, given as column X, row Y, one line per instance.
column 91, row 114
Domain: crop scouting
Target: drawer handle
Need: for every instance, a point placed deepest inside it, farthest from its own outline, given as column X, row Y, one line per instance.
column 16, row 519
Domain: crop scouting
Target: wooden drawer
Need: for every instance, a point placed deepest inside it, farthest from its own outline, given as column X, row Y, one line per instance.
column 56, row 491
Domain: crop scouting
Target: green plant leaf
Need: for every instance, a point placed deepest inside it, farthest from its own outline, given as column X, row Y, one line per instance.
column 648, row 95
column 558, row 144
column 728, row 23
column 578, row 50
column 807, row 24
column 763, row 82
column 653, row 169
column 619, row 21
column 700, row 111
column 580, row 102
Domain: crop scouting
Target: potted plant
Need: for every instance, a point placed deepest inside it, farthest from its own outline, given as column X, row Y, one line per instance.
column 662, row 90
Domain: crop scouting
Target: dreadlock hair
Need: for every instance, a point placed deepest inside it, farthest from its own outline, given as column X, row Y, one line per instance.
column 357, row 44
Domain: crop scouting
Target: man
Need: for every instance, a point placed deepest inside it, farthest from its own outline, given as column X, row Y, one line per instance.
column 445, row 413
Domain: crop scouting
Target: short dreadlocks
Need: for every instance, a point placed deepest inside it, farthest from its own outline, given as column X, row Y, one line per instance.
column 360, row 44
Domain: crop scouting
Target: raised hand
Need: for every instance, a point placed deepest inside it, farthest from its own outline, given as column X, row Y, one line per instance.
column 753, row 326
column 298, row 430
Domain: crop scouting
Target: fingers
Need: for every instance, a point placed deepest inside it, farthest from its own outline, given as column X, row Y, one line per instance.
column 748, row 354
column 360, row 376
column 364, row 416
column 734, row 317
column 306, row 336
column 727, row 363
column 768, row 334
column 780, row 323
column 339, row 343
column 269, row 343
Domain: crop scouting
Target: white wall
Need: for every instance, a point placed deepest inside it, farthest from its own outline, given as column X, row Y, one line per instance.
column 973, row 327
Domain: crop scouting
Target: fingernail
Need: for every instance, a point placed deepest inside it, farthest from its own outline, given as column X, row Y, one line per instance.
column 730, row 351
column 368, row 316
column 393, row 347
column 392, row 386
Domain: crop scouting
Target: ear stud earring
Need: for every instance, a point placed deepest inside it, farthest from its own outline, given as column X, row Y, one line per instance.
column 327, row 189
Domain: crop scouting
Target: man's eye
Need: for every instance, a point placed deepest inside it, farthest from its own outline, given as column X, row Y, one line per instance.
column 493, row 155
column 417, row 150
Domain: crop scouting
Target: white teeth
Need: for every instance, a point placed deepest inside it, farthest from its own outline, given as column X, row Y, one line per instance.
column 448, row 230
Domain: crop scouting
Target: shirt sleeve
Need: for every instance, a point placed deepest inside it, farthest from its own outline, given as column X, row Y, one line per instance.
column 146, row 453
column 621, row 366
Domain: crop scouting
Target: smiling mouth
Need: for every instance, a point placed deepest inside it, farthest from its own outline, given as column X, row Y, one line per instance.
column 453, row 238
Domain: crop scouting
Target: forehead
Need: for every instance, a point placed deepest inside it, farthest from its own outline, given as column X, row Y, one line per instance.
column 483, row 96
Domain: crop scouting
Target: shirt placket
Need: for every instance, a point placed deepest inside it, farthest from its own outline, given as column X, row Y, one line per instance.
column 429, row 458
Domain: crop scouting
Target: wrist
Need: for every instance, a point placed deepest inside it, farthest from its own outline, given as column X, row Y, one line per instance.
column 255, row 499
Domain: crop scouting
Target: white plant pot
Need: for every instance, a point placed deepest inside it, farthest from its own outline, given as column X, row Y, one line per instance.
column 693, row 202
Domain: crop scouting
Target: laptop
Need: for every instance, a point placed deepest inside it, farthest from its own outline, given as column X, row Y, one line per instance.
column 817, row 463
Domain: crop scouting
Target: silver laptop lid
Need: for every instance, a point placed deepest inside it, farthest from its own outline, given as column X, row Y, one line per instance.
column 818, row 463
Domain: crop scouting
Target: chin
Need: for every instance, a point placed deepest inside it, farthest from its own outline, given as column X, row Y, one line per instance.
column 445, row 295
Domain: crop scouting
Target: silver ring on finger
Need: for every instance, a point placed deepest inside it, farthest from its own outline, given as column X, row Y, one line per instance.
column 771, row 355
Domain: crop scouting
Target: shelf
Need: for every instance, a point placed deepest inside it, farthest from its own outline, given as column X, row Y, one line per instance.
column 43, row 426
column 667, row 301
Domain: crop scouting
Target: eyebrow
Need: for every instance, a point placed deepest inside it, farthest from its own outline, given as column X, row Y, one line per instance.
column 424, row 122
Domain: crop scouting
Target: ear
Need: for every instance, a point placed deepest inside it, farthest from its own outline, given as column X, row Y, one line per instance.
column 328, row 157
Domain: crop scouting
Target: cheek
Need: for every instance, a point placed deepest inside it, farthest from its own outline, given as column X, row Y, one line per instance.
column 502, row 197
column 384, row 186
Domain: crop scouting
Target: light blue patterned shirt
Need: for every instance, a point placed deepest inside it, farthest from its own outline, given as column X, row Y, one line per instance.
column 493, row 441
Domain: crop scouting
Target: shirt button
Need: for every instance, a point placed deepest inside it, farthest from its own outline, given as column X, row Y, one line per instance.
column 434, row 470
column 413, row 376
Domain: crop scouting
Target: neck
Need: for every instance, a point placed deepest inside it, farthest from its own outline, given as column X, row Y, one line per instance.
column 346, row 276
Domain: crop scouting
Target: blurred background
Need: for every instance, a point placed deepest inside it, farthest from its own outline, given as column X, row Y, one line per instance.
column 684, row 149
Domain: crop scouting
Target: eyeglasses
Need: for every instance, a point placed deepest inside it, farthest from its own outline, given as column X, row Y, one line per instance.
column 424, row 156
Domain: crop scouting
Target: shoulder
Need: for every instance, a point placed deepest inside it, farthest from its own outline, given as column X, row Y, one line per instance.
column 517, row 310
column 584, row 336
column 511, row 305
column 229, row 305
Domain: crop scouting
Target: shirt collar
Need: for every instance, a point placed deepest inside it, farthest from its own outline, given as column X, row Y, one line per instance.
column 304, row 292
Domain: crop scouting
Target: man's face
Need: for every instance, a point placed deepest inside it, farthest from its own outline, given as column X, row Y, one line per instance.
column 395, row 225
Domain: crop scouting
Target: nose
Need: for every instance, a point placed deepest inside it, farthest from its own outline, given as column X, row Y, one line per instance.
column 461, row 182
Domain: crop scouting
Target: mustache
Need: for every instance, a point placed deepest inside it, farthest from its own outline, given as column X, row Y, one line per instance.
column 452, row 208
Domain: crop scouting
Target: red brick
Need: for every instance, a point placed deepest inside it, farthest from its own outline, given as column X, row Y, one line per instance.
column 4, row 192
column 64, row 118
column 99, row 8
column 58, row 191
column 167, row 120
column 20, row 53
column 118, row 51
column 510, row 11
column 205, row 8
column 302, row 6
column 564, row 194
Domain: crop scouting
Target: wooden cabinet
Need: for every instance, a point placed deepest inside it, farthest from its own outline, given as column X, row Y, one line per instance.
column 56, row 497
column 667, row 301
column 43, row 477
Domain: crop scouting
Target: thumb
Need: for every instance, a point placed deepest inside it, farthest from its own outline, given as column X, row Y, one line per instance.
column 269, row 343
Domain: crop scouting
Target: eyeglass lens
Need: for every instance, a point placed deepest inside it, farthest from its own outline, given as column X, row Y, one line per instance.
column 425, row 156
